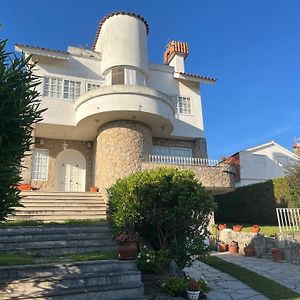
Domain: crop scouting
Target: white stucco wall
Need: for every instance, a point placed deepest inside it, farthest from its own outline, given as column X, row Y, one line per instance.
column 264, row 163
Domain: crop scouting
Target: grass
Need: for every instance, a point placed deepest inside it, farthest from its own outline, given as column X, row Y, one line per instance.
column 24, row 259
column 267, row 230
column 261, row 284
column 13, row 259
column 39, row 223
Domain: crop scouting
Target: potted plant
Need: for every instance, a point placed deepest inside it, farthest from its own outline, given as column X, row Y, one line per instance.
column 127, row 246
column 223, row 247
column 24, row 187
column 277, row 254
column 222, row 226
column 255, row 228
column 193, row 289
column 249, row 250
column 233, row 247
column 237, row 227
column 93, row 189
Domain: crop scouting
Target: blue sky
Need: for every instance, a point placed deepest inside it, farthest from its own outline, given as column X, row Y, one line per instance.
column 252, row 47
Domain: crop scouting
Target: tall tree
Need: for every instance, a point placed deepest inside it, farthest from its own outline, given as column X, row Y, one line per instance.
column 293, row 182
column 19, row 110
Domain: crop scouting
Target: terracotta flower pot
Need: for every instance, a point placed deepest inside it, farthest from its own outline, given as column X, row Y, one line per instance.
column 277, row 254
column 93, row 189
column 222, row 226
column 255, row 228
column 24, row 187
column 233, row 248
column 223, row 247
column 127, row 251
column 249, row 251
column 237, row 228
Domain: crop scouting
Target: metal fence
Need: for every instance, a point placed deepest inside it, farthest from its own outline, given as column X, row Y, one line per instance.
column 288, row 219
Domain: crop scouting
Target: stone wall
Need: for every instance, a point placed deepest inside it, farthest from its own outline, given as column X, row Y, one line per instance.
column 198, row 146
column 121, row 147
column 215, row 176
column 55, row 147
column 290, row 243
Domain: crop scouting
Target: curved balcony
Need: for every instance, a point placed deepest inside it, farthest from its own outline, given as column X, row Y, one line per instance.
column 126, row 102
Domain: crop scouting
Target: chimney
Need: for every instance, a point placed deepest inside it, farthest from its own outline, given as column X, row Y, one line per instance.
column 175, row 54
column 296, row 147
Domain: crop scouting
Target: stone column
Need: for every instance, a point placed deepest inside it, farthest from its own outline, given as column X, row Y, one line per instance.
column 200, row 148
column 121, row 146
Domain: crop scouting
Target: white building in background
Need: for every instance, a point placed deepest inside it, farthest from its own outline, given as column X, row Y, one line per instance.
column 110, row 112
column 261, row 163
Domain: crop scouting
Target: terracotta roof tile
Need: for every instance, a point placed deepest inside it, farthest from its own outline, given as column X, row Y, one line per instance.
column 114, row 14
column 198, row 76
column 175, row 47
column 41, row 48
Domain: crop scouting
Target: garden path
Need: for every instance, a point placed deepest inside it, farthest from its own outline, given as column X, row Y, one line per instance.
column 282, row 272
column 224, row 286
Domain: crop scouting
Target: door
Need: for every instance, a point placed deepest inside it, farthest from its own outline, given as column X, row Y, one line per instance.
column 70, row 171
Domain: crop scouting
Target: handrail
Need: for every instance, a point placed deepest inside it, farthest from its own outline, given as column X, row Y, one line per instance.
column 182, row 160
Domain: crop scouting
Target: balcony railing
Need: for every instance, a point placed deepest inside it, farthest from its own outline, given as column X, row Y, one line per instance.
column 182, row 160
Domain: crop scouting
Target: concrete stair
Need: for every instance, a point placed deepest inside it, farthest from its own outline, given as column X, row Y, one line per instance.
column 55, row 240
column 59, row 207
column 106, row 279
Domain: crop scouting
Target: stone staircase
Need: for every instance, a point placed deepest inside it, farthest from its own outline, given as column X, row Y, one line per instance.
column 56, row 240
column 59, row 206
column 103, row 280
column 100, row 279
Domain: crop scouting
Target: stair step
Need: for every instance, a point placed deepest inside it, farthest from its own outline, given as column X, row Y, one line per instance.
column 54, row 211
column 56, row 203
column 65, row 269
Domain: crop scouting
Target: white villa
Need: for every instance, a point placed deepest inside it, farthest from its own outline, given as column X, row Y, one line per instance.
column 263, row 162
column 110, row 112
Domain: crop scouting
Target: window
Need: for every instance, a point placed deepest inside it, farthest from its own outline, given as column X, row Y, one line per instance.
column 91, row 86
column 61, row 88
column 117, row 75
column 172, row 151
column 40, row 164
column 184, row 105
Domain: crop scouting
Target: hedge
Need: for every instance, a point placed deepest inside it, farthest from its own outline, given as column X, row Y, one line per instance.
column 253, row 204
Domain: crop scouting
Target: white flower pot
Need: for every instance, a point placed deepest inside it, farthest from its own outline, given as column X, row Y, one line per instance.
column 193, row 295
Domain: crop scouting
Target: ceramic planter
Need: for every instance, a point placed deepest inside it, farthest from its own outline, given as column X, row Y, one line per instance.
column 223, row 247
column 127, row 251
column 222, row 226
column 93, row 189
column 277, row 254
column 24, row 187
column 249, row 251
column 255, row 228
column 193, row 295
column 233, row 248
column 237, row 228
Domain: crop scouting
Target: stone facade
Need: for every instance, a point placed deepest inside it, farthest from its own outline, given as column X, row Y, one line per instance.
column 121, row 146
column 198, row 146
column 217, row 176
column 290, row 243
column 55, row 147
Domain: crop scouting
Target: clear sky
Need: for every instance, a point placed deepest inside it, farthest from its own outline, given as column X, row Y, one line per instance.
column 251, row 46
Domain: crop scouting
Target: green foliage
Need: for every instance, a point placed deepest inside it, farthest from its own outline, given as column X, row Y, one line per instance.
column 174, row 286
column 293, row 184
column 253, row 204
column 168, row 207
column 19, row 110
column 150, row 261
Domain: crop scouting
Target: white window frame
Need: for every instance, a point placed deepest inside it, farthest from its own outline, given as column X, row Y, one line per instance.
column 67, row 89
column 184, row 105
column 40, row 162
column 93, row 86
column 172, row 151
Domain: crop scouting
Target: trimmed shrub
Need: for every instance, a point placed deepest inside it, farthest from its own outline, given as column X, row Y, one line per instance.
column 167, row 206
column 254, row 203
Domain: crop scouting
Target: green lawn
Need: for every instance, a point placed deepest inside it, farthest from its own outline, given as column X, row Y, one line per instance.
column 261, row 284
column 267, row 230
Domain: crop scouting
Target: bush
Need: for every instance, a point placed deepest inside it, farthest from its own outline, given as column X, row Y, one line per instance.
column 168, row 207
column 293, row 185
column 150, row 261
column 174, row 286
column 19, row 110
column 254, row 203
